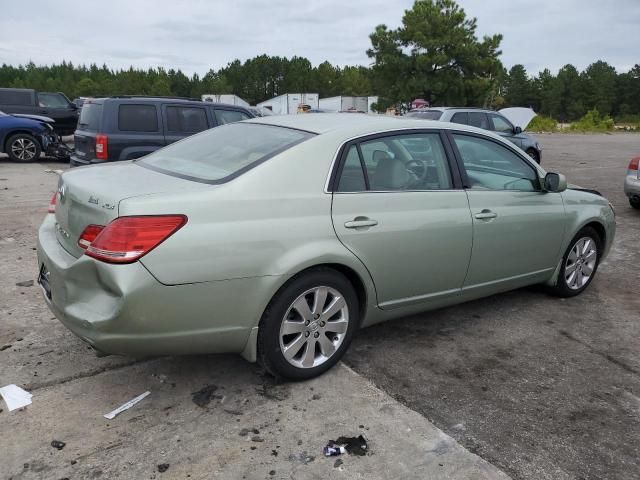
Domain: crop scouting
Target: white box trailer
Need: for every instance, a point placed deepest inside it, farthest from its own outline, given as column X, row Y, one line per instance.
column 344, row 103
column 290, row 102
column 225, row 98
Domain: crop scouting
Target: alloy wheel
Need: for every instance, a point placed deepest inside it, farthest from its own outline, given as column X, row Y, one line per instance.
column 581, row 262
column 24, row 149
column 314, row 327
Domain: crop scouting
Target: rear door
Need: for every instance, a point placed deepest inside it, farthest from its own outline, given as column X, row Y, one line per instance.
column 517, row 227
column 398, row 206
column 181, row 121
column 138, row 130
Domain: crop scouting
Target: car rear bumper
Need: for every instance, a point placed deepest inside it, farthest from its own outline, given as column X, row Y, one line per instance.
column 77, row 161
column 632, row 185
column 123, row 309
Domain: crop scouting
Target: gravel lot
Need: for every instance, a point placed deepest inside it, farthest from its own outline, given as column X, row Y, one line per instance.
column 539, row 387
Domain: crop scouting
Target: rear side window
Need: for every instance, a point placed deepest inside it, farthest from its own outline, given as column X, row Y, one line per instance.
column 479, row 119
column 186, row 119
column 352, row 177
column 229, row 116
column 90, row 117
column 137, row 118
column 223, row 153
column 460, row 117
column 15, row 97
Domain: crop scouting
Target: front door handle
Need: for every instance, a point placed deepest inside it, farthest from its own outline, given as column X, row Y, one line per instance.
column 485, row 215
column 360, row 222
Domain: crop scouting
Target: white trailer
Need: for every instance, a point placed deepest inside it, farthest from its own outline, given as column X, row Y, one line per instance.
column 290, row 103
column 344, row 103
column 225, row 98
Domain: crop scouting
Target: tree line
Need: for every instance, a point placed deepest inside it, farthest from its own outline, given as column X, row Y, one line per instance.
column 434, row 54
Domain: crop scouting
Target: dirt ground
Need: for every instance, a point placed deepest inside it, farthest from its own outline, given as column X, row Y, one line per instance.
column 540, row 388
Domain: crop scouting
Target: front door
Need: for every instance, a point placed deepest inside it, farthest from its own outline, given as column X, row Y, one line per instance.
column 397, row 208
column 517, row 228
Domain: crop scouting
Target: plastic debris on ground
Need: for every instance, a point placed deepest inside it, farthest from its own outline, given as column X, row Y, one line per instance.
column 126, row 406
column 15, row 397
column 351, row 445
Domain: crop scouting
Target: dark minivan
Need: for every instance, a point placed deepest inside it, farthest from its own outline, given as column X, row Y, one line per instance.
column 125, row 128
column 54, row 105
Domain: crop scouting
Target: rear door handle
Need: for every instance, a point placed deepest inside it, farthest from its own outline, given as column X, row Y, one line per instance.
column 485, row 215
column 360, row 222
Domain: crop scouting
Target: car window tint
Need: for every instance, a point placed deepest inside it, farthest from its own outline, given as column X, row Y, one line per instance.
column 219, row 154
column 406, row 162
column 501, row 124
column 478, row 119
column 15, row 97
column 137, row 118
column 52, row 100
column 491, row 166
column 352, row 176
column 186, row 119
column 460, row 117
column 229, row 116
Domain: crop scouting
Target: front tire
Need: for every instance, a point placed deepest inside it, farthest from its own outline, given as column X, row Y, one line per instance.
column 308, row 325
column 579, row 264
column 23, row 148
column 535, row 155
column 635, row 202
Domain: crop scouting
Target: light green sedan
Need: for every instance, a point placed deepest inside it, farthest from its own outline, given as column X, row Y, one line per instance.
column 278, row 238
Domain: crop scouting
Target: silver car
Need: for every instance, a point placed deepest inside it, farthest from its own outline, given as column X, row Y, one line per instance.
column 280, row 237
column 632, row 183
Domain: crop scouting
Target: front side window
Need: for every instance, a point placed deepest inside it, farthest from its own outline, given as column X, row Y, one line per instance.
column 397, row 163
column 222, row 153
column 501, row 124
column 491, row 166
column 53, row 100
column 137, row 118
column 186, row 119
column 229, row 116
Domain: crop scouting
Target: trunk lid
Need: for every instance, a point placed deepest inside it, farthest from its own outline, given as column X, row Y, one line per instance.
column 91, row 195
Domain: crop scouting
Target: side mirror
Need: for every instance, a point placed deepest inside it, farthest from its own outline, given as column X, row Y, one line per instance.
column 555, row 182
column 517, row 130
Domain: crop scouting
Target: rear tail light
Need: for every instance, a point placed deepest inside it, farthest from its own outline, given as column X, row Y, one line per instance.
column 102, row 151
column 89, row 235
column 52, row 203
column 126, row 239
column 634, row 165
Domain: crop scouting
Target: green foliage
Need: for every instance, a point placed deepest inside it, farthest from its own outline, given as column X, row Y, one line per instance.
column 435, row 55
column 593, row 121
column 541, row 123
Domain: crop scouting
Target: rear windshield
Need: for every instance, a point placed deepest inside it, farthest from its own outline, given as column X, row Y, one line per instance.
column 223, row 153
column 430, row 115
column 90, row 117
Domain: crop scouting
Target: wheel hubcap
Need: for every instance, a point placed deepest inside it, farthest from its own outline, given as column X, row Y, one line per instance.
column 314, row 327
column 581, row 263
column 24, row 149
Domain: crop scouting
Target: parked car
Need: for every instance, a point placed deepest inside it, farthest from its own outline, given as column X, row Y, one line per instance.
column 501, row 122
column 54, row 105
column 24, row 137
column 128, row 127
column 279, row 237
column 632, row 183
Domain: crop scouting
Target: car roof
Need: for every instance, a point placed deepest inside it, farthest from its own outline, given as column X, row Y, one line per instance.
column 151, row 99
column 348, row 126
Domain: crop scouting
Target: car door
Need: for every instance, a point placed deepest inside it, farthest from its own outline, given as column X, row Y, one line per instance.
column 517, row 227
column 181, row 121
column 504, row 128
column 398, row 206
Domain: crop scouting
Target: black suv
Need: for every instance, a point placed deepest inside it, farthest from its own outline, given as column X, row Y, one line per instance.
column 54, row 105
column 124, row 128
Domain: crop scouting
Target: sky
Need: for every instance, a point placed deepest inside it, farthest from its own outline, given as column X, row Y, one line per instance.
column 196, row 35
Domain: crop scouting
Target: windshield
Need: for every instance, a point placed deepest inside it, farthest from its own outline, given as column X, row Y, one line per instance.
column 53, row 100
column 223, row 153
column 428, row 115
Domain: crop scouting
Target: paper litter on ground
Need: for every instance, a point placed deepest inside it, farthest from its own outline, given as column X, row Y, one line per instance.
column 15, row 397
column 126, row 406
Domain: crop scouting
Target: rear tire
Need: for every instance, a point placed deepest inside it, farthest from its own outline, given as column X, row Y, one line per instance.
column 308, row 324
column 579, row 264
column 23, row 147
column 635, row 202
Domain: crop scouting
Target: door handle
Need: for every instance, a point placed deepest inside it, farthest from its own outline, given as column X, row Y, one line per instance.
column 360, row 222
column 485, row 215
